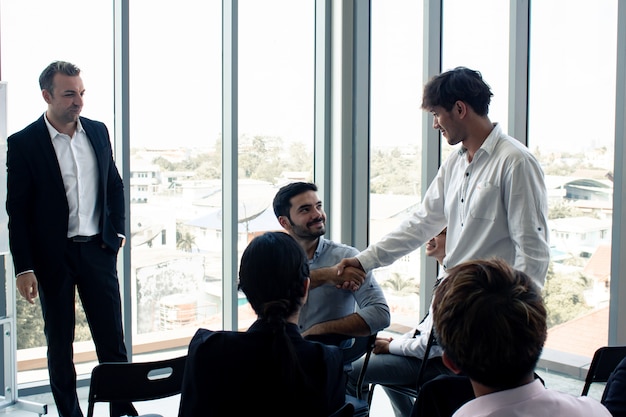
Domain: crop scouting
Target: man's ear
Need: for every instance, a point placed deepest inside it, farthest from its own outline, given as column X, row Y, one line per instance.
column 46, row 95
column 460, row 108
column 449, row 363
column 284, row 222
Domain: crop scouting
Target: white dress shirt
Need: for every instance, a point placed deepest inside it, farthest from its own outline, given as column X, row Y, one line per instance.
column 79, row 169
column 495, row 205
column 532, row 399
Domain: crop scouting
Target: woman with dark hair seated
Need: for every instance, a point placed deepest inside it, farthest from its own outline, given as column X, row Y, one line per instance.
column 269, row 369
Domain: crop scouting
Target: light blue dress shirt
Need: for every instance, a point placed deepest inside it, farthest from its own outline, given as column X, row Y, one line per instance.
column 327, row 302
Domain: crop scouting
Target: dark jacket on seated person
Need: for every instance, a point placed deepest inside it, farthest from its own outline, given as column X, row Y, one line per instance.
column 238, row 374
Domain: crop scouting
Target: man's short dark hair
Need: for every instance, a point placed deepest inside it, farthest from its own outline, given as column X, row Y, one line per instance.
column 490, row 320
column 57, row 67
column 282, row 199
column 459, row 84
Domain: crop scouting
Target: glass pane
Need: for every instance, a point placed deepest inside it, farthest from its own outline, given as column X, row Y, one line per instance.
column 575, row 149
column 276, row 111
column 475, row 34
column 175, row 164
column 395, row 129
column 31, row 39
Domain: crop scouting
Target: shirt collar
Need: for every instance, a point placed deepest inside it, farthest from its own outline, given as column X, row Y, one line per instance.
column 53, row 132
column 490, row 142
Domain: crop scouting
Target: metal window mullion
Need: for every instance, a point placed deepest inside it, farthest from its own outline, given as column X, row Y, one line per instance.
column 431, row 142
column 519, row 36
column 617, row 307
column 121, row 144
column 323, row 98
column 229, row 164
column 360, row 179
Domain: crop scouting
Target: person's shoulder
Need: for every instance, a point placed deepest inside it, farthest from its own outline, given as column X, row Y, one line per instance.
column 37, row 125
column 512, row 147
column 86, row 122
column 338, row 246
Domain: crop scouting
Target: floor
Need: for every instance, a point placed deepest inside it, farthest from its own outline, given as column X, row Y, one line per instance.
column 380, row 404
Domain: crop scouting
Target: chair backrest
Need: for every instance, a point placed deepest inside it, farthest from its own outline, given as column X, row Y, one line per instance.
column 347, row 410
column 135, row 381
column 352, row 348
column 604, row 361
column 362, row 345
column 413, row 390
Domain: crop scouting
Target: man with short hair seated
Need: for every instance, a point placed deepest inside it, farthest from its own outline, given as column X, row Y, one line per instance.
column 490, row 320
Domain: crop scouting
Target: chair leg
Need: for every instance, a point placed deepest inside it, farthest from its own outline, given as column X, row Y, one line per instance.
column 370, row 395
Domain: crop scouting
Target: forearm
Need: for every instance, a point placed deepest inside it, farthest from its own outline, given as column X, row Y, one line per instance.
column 351, row 325
column 323, row 276
column 350, row 279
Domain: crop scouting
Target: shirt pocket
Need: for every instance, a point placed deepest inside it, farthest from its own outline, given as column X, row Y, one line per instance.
column 485, row 203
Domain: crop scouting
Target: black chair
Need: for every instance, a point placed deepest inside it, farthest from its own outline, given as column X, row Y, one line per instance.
column 614, row 394
column 604, row 361
column 347, row 410
column 135, row 381
column 353, row 348
column 413, row 390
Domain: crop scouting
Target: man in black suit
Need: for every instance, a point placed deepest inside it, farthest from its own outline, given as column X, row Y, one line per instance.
column 66, row 224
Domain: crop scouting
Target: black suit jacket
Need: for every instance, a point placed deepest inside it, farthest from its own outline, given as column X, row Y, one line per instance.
column 234, row 374
column 37, row 203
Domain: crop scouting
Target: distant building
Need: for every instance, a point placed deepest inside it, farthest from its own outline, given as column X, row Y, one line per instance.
column 579, row 236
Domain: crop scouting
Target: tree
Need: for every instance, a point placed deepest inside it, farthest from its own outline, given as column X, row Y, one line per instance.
column 393, row 172
column 564, row 297
column 401, row 284
column 562, row 209
column 30, row 324
column 185, row 241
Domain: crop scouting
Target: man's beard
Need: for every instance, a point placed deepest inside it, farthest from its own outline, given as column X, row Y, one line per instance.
column 305, row 232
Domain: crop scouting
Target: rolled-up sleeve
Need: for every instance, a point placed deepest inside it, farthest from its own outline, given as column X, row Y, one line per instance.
column 372, row 305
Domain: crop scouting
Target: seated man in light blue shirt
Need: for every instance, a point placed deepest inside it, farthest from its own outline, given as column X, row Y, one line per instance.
column 330, row 309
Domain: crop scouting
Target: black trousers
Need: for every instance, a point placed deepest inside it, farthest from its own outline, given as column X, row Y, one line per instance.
column 93, row 271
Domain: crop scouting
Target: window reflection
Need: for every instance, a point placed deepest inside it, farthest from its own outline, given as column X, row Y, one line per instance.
column 276, row 86
column 175, row 171
column 395, row 129
column 576, row 152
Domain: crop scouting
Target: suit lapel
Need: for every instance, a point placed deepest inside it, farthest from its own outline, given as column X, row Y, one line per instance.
column 49, row 155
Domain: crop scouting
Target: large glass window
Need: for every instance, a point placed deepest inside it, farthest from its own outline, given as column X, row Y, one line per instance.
column 475, row 34
column 276, row 87
column 571, row 72
column 33, row 34
column 395, row 156
column 175, row 170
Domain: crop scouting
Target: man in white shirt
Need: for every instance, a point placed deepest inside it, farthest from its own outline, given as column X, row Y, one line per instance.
column 490, row 192
column 491, row 323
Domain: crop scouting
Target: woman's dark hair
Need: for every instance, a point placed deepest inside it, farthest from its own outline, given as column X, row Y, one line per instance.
column 272, row 275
